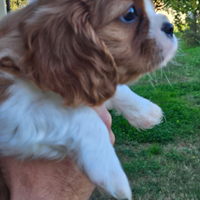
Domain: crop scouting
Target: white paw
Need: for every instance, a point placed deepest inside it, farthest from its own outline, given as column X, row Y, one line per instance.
column 140, row 112
column 96, row 156
column 146, row 116
column 105, row 172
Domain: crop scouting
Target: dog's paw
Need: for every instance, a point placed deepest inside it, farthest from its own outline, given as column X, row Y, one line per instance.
column 140, row 112
column 146, row 116
column 98, row 160
column 106, row 173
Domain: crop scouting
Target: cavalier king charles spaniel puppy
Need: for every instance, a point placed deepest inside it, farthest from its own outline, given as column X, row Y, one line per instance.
column 58, row 58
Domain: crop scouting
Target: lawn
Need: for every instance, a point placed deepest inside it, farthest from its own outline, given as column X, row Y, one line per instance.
column 164, row 163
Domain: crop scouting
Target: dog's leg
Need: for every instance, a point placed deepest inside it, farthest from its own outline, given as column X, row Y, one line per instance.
column 37, row 126
column 98, row 157
column 140, row 112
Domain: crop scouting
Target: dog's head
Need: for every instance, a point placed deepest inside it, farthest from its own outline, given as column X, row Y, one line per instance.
column 139, row 40
column 81, row 49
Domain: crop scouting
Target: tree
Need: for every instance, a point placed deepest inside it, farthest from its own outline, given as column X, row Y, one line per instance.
column 191, row 10
column 16, row 4
column 158, row 5
column 161, row 4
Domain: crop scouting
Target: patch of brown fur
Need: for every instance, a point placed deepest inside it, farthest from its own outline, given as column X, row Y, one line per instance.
column 64, row 55
column 78, row 49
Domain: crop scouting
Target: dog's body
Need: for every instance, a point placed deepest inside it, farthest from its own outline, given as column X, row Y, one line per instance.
column 57, row 58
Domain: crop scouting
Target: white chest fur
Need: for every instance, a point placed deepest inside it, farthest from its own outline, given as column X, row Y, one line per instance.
column 34, row 124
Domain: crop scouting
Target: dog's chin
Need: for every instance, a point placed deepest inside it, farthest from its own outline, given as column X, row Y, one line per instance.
column 170, row 46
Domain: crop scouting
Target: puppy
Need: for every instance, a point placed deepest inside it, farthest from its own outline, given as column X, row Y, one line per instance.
column 60, row 57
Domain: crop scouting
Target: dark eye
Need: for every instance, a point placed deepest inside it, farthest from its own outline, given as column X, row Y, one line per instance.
column 130, row 15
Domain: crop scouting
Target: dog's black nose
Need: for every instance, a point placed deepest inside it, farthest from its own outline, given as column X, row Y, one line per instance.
column 168, row 28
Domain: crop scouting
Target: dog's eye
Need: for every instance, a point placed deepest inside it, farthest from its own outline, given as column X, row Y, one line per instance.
column 130, row 15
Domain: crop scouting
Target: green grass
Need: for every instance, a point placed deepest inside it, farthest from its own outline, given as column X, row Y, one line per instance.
column 177, row 109
column 164, row 163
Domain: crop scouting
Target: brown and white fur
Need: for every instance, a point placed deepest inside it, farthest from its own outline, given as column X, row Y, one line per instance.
column 60, row 57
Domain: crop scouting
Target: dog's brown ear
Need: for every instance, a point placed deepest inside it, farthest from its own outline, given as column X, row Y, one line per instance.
column 64, row 54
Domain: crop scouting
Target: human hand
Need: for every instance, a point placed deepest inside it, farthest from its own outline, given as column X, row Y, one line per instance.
column 48, row 180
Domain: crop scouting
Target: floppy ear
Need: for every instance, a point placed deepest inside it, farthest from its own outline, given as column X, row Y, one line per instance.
column 64, row 54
